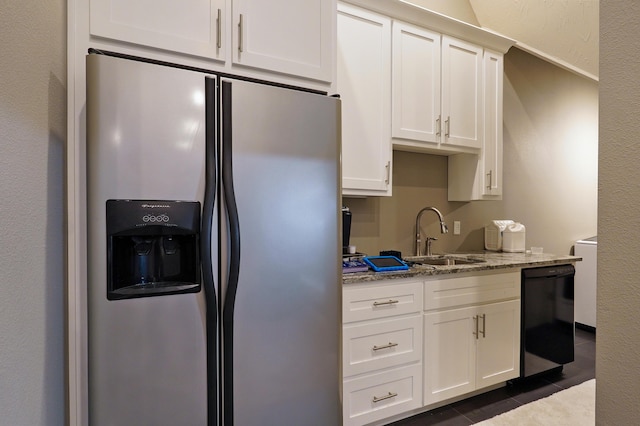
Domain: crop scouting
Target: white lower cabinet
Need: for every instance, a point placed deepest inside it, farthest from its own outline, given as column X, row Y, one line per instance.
column 498, row 346
column 377, row 396
column 409, row 344
column 382, row 350
column 382, row 344
column 470, row 348
column 471, row 334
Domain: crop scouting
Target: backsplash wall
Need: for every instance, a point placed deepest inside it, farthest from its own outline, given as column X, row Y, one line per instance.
column 550, row 172
column 419, row 180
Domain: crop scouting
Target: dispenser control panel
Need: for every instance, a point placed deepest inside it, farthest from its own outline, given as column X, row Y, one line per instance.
column 152, row 248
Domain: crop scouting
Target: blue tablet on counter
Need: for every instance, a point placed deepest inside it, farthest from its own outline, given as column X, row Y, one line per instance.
column 385, row 263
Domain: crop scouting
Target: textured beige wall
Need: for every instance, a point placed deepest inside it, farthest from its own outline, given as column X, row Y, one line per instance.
column 32, row 221
column 618, row 344
column 551, row 151
column 562, row 29
column 550, row 172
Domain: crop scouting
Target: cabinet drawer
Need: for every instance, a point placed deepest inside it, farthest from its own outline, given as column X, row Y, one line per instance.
column 375, row 397
column 471, row 289
column 381, row 344
column 379, row 301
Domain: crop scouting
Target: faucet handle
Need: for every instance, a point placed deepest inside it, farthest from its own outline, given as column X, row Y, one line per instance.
column 428, row 245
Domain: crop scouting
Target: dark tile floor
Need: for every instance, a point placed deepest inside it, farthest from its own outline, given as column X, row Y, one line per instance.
column 490, row 404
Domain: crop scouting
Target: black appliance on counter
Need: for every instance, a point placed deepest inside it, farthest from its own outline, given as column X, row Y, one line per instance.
column 547, row 334
column 346, row 229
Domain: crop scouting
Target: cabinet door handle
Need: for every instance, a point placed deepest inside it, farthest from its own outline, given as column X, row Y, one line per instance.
column 438, row 126
column 447, row 126
column 240, row 29
column 475, row 321
column 386, row 302
column 490, row 174
column 219, row 29
column 484, row 325
column 387, row 346
column 382, row 398
column 388, row 172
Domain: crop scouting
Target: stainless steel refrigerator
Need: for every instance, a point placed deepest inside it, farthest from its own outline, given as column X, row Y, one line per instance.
column 213, row 248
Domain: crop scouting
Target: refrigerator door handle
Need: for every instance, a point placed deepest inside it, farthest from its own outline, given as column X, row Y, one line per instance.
column 211, row 178
column 234, row 250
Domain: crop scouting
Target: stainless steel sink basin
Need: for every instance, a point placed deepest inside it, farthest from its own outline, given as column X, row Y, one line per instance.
column 443, row 260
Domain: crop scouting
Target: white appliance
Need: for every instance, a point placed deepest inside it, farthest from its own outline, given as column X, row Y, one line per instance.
column 493, row 234
column 586, row 281
column 205, row 306
column 513, row 238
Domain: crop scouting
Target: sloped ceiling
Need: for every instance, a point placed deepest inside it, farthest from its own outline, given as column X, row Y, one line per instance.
column 564, row 32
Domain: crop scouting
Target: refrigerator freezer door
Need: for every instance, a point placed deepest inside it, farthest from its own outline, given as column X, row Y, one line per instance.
column 283, row 149
column 145, row 140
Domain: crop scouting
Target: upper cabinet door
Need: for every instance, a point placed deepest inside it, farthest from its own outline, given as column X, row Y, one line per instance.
column 364, row 84
column 461, row 93
column 416, row 83
column 492, row 144
column 194, row 27
column 289, row 36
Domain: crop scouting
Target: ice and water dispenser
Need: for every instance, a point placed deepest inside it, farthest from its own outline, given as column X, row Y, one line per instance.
column 152, row 248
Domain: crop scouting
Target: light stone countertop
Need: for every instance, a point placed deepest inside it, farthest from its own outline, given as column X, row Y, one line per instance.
column 491, row 261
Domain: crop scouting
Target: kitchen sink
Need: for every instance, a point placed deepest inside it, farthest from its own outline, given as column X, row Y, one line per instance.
column 443, row 260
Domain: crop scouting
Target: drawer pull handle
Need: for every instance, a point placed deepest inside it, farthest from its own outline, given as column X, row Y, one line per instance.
column 382, row 398
column 387, row 346
column 388, row 302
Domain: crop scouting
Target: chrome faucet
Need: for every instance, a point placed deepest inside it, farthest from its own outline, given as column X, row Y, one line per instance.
column 443, row 229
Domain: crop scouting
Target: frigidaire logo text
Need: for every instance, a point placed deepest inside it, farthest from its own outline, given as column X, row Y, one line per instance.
column 155, row 206
column 162, row 218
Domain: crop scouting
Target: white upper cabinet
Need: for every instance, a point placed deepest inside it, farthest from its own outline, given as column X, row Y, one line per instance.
column 364, row 84
column 491, row 179
column 461, row 93
column 193, row 27
column 445, row 96
column 416, row 83
column 292, row 37
column 437, row 92
column 479, row 177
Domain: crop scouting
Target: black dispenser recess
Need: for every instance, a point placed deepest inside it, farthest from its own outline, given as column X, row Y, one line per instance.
column 152, row 248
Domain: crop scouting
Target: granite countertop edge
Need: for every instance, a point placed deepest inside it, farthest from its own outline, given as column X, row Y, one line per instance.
column 490, row 261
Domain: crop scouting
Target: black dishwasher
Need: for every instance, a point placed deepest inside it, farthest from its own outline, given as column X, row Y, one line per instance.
column 547, row 335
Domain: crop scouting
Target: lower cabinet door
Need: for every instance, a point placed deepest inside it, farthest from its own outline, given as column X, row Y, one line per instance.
column 449, row 354
column 470, row 348
column 377, row 396
column 498, row 348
